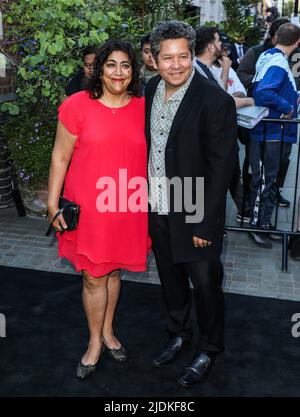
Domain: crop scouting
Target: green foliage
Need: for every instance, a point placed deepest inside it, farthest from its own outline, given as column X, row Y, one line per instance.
column 29, row 139
column 11, row 108
column 149, row 12
column 237, row 25
column 288, row 8
column 47, row 38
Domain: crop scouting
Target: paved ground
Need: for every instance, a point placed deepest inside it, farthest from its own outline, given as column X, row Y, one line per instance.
column 248, row 269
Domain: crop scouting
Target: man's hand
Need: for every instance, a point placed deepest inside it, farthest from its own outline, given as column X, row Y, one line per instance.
column 243, row 101
column 289, row 115
column 225, row 63
column 200, row 243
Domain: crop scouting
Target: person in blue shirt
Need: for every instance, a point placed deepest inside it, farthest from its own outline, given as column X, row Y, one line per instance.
column 275, row 88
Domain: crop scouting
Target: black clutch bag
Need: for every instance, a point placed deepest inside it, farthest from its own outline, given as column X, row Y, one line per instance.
column 70, row 211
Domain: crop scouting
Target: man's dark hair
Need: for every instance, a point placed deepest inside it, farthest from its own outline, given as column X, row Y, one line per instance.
column 288, row 34
column 204, row 36
column 145, row 39
column 171, row 29
column 89, row 50
column 94, row 85
column 276, row 25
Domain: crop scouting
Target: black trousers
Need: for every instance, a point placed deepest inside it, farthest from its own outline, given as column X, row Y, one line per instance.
column 206, row 278
column 236, row 188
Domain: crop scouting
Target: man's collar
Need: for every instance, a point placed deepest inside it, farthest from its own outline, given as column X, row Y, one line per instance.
column 199, row 59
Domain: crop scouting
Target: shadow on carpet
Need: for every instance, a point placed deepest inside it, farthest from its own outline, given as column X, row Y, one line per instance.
column 47, row 334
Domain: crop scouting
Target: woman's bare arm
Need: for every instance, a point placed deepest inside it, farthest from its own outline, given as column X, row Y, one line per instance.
column 61, row 156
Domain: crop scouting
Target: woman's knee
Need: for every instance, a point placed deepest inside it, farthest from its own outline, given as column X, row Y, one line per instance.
column 114, row 274
column 93, row 283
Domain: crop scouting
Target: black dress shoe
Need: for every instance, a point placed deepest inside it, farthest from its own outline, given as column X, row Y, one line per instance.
column 197, row 372
column 170, row 352
column 260, row 240
column 281, row 201
column 273, row 236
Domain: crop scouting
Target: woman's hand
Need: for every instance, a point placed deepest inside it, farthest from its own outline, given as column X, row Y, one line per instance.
column 59, row 223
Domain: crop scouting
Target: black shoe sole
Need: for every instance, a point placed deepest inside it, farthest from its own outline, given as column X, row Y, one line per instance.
column 200, row 381
column 181, row 348
column 283, row 205
column 186, row 385
column 158, row 365
column 276, row 238
column 247, row 220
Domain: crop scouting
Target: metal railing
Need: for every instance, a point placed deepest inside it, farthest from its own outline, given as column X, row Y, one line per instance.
column 283, row 233
column 9, row 190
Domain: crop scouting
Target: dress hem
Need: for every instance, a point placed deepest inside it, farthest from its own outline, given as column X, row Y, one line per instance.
column 107, row 268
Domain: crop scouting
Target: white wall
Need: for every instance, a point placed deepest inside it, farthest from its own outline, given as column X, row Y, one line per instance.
column 210, row 10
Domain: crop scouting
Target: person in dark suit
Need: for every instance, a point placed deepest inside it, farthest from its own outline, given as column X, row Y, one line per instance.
column 191, row 134
column 238, row 50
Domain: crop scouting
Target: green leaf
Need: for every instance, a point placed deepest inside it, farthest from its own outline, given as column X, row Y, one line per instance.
column 59, row 45
column 46, row 84
column 12, row 108
column 103, row 36
column 23, row 73
column 112, row 15
column 9, row 19
column 45, row 92
column 66, row 69
column 83, row 40
column 37, row 59
column 52, row 49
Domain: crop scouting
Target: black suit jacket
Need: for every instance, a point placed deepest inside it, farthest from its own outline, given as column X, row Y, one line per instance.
column 75, row 84
column 202, row 143
column 234, row 56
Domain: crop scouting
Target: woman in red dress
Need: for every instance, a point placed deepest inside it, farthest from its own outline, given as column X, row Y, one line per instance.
column 99, row 155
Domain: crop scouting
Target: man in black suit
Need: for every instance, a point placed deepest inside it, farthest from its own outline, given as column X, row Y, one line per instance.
column 238, row 51
column 191, row 134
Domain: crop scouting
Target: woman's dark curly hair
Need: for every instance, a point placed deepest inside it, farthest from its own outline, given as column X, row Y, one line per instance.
column 94, row 85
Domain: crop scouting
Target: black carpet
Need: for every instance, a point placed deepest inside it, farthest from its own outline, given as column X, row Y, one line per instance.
column 47, row 334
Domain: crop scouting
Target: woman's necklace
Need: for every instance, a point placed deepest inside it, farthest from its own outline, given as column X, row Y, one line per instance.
column 114, row 109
